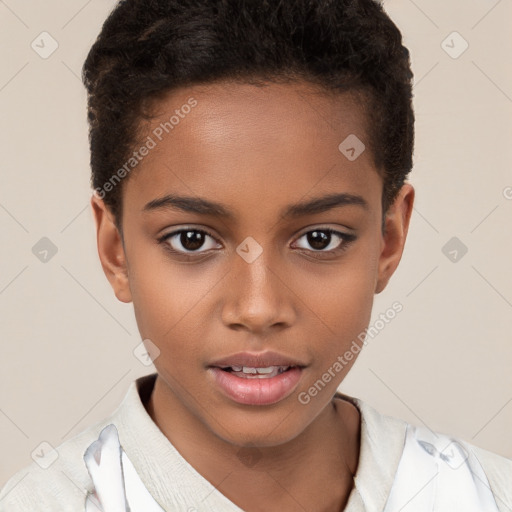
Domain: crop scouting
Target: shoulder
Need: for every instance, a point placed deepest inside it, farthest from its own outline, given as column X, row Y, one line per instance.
column 498, row 470
column 59, row 480
column 488, row 470
column 384, row 438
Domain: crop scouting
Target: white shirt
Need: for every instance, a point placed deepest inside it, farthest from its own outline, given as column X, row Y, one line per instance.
column 176, row 486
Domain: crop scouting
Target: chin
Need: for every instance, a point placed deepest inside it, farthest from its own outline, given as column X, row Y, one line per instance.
column 260, row 427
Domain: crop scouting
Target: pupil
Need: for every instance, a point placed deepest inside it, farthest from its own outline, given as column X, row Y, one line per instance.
column 317, row 239
column 192, row 240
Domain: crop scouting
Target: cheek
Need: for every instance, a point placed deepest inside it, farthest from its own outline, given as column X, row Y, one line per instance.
column 350, row 299
column 163, row 307
column 343, row 295
column 169, row 301
column 156, row 291
column 341, row 308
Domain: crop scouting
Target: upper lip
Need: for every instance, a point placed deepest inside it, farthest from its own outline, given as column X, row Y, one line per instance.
column 256, row 360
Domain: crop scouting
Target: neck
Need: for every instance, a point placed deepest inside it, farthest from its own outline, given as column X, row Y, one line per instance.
column 289, row 477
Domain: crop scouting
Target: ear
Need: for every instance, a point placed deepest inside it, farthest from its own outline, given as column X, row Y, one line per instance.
column 393, row 240
column 111, row 250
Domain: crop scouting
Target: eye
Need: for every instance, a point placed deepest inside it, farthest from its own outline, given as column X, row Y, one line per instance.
column 327, row 240
column 189, row 241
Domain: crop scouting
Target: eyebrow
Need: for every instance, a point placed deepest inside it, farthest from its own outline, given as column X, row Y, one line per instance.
column 202, row 206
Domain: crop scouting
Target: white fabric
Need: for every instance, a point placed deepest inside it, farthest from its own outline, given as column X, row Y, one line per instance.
column 176, row 486
column 436, row 473
column 117, row 486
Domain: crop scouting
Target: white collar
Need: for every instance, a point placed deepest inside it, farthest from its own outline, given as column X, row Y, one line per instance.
column 149, row 454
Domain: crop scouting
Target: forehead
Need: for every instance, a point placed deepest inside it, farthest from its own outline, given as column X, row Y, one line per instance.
column 257, row 114
column 245, row 142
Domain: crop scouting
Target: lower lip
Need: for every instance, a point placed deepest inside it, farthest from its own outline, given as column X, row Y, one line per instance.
column 255, row 391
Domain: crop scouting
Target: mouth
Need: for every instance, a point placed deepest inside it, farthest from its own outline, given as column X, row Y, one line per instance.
column 256, row 379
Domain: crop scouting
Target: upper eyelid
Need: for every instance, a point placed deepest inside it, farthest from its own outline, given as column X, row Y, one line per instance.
column 322, row 228
column 190, row 228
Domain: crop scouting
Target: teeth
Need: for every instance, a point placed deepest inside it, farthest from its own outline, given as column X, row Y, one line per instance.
column 252, row 372
column 269, row 369
column 262, row 371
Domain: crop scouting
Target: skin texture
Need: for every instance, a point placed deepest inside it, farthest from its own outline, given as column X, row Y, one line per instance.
column 256, row 150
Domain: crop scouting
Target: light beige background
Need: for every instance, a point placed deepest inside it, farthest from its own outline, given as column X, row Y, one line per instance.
column 445, row 360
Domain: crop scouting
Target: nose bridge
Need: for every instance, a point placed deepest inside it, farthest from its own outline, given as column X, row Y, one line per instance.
column 257, row 297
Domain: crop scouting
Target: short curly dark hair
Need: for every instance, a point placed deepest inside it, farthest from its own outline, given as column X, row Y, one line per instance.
column 149, row 47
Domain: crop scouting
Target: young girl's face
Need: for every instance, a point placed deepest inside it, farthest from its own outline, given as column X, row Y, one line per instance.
column 255, row 178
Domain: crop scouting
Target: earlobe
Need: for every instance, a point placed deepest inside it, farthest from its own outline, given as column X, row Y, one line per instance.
column 111, row 250
column 393, row 240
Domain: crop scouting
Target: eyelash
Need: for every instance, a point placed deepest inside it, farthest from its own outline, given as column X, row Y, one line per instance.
column 347, row 240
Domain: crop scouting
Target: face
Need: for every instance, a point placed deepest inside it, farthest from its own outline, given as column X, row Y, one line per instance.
column 252, row 252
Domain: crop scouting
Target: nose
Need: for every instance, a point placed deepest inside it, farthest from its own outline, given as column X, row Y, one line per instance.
column 259, row 296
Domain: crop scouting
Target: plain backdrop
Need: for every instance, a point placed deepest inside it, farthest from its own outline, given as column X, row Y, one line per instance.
column 67, row 343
